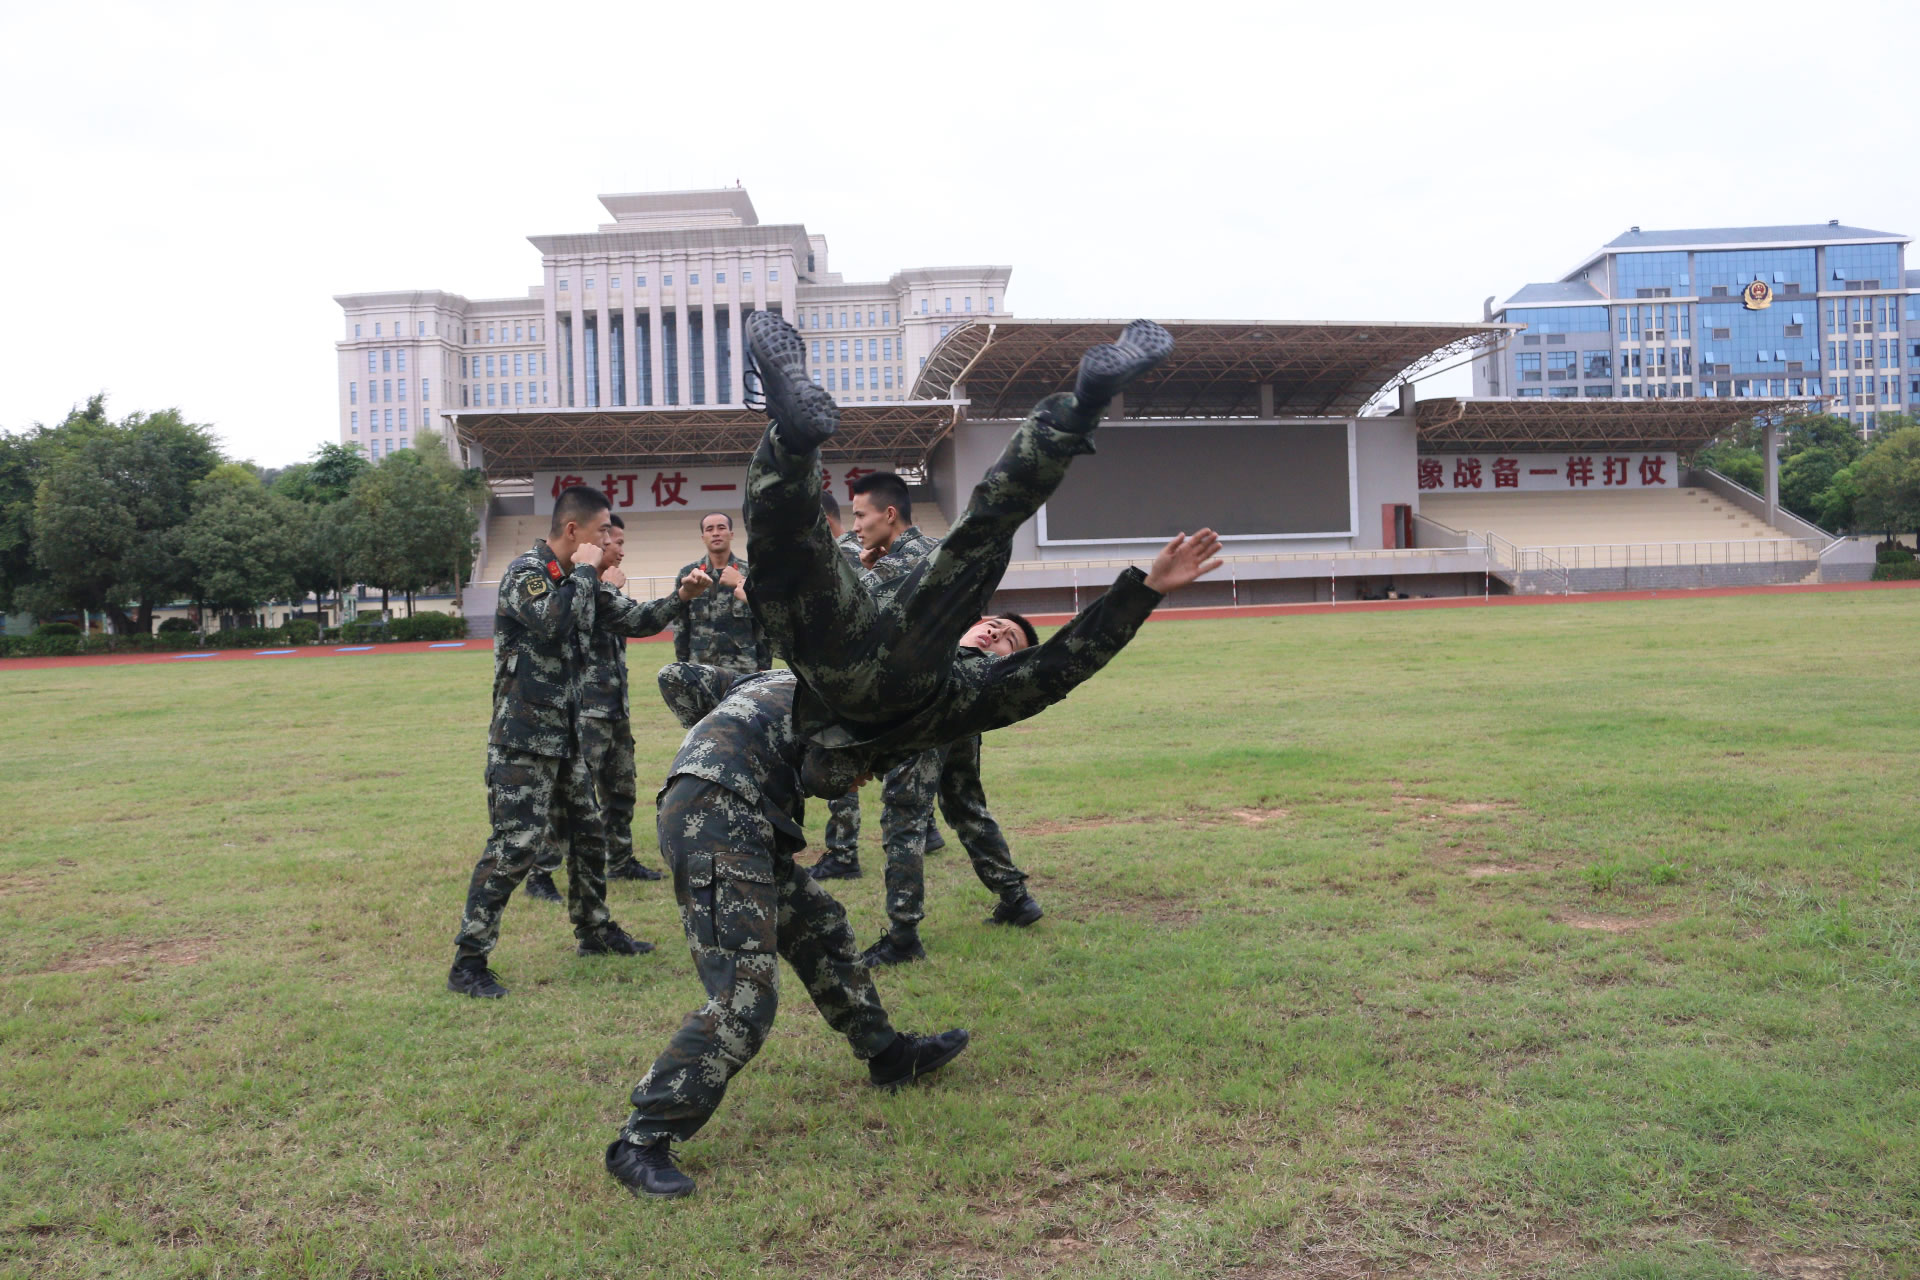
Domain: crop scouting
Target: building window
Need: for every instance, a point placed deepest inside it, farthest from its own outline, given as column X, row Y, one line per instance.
column 949, row 304
column 490, row 392
column 356, row 331
column 425, row 387
column 463, row 396
column 746, row 277
column 773, row 276
column 886, row 315
column 816, row 351
column 353, row 420
column 386, row 361
column 389, row 419
column 859, row 379
column 886, row 346
column 969, row 302
column 1562, row 366
column 1599, row 364
column 489, row 366
column 1528, row 363
column 563, row 286
column 376, row 328
column 613, row 282
column 694, row 278
column 423, row 330
column 353, row 393
column 1533, row 391
column 989, row 304
column 403, row 442
column 923, row 306
column 589, row 282
column 844, row 375
column 403, row 419
column 816, row 377
column 719, row 277
column 667, row 280
column 889, row 373
column 519, row 393
column 400, row 362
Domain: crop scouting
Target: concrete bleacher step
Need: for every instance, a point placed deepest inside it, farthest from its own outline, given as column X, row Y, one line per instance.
column 1590, row 518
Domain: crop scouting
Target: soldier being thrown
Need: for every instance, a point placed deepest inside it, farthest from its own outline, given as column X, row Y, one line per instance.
column 874, row 673
column 730, row 821
column 539, row 778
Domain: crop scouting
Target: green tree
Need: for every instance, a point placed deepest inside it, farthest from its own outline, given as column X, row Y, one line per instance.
column 24, row 460
column 108, row 514
column 413, row 520
column 242, row 542
column 1834, row 505
column 1888, row 479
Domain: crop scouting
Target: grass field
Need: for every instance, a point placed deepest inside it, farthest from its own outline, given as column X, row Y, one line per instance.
column 1577, row 940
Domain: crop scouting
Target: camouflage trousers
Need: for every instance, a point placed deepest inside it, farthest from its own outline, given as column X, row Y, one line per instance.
column 744, row 904
column 529, row 797
column 874, row 663
column 607, row 745
column 952, row 775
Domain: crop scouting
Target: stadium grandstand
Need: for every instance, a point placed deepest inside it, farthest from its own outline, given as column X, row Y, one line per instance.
column 1302, row 443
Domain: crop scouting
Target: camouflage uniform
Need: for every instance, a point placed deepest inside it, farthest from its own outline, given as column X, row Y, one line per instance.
column 716, row 628
column 843, row 813
column 729, row 825
column 539, row 782
column 870, row 664
column 606, row 735
column 952, row 775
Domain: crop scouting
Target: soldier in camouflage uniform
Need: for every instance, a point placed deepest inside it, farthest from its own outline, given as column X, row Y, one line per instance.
column 729, row 825
column 730, row 820
column 539, row 778
column 716, row 627
column 868, row 669
column 605, row 731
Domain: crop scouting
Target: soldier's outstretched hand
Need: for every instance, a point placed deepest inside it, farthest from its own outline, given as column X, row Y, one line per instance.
column 695, row 584
column 1184, row 559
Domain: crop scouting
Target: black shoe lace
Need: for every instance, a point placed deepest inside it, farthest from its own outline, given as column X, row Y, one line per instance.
column 754, row 391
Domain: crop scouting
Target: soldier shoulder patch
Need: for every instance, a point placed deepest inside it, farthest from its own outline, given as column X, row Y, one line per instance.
column 553, row 570
column 536, row 587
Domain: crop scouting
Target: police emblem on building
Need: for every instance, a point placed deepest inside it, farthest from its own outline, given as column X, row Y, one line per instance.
column 1758, row 296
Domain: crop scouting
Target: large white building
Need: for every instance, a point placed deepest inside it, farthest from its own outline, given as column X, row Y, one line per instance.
column 645, row 311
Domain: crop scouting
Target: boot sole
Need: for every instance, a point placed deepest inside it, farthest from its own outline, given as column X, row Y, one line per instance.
column 781, row 353
column 639, row 949
column 894, row 1086
column 471, row 994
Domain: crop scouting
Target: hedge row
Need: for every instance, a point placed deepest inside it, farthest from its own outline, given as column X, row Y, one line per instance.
column 1897, row 571
column 425, row 626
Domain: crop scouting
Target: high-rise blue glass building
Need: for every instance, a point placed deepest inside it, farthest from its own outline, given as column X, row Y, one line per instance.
column 1823, row 312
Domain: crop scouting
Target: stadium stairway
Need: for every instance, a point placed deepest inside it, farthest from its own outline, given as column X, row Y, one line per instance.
column 1624, row 517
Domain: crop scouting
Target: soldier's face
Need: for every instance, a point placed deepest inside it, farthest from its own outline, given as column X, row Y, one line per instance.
column 616, row 545
column 872, row 525
column 717, row 533
column 995, row 635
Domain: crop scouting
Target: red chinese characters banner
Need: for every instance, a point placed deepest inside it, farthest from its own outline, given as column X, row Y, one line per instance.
column 689, row 489
column 1588, row 469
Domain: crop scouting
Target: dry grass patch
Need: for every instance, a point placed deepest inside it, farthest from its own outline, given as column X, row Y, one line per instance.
column 122, row 951
column 1610, row 924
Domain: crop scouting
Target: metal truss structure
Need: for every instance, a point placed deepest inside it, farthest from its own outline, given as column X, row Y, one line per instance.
column 1219, row 369
column 518, row 444
column 1454, row 425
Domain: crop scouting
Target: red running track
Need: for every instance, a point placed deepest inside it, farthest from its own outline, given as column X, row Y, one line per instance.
column 199, row 657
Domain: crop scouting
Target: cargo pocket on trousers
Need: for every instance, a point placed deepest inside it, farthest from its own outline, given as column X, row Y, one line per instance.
column 746, row 904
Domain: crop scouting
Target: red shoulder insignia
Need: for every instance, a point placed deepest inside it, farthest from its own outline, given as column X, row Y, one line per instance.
column 553, row 571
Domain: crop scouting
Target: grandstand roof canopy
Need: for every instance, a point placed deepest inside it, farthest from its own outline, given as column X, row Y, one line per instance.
column 1454, row 425
column 1315, row 368
column 518, row 444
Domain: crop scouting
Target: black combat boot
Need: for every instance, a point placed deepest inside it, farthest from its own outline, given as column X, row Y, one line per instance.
column 611, row 940
column 539, row 886
column 632, row 869
column 471, row 977
column 835, row 867
column 805, row 416
column 910, row 1057
column 1106, row 369
column 649, row 1170
column 935, row 841
column 1017, row 909
column 891, row 951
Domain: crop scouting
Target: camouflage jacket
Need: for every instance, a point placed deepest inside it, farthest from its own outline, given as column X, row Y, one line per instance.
column 909, row 548
column 849, row 543
column 740, row 736
column 603, row 682
column 985, row 692
column 716, row 628
column 540, row 648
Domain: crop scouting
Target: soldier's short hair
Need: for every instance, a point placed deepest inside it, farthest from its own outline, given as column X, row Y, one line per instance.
column 711, row 514
column 578, row 504
column 1026, row 628
column 886, row 490
column 616, row 521
column 829, row 504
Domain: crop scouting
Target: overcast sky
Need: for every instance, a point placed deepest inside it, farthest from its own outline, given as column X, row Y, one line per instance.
column 186, row 185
